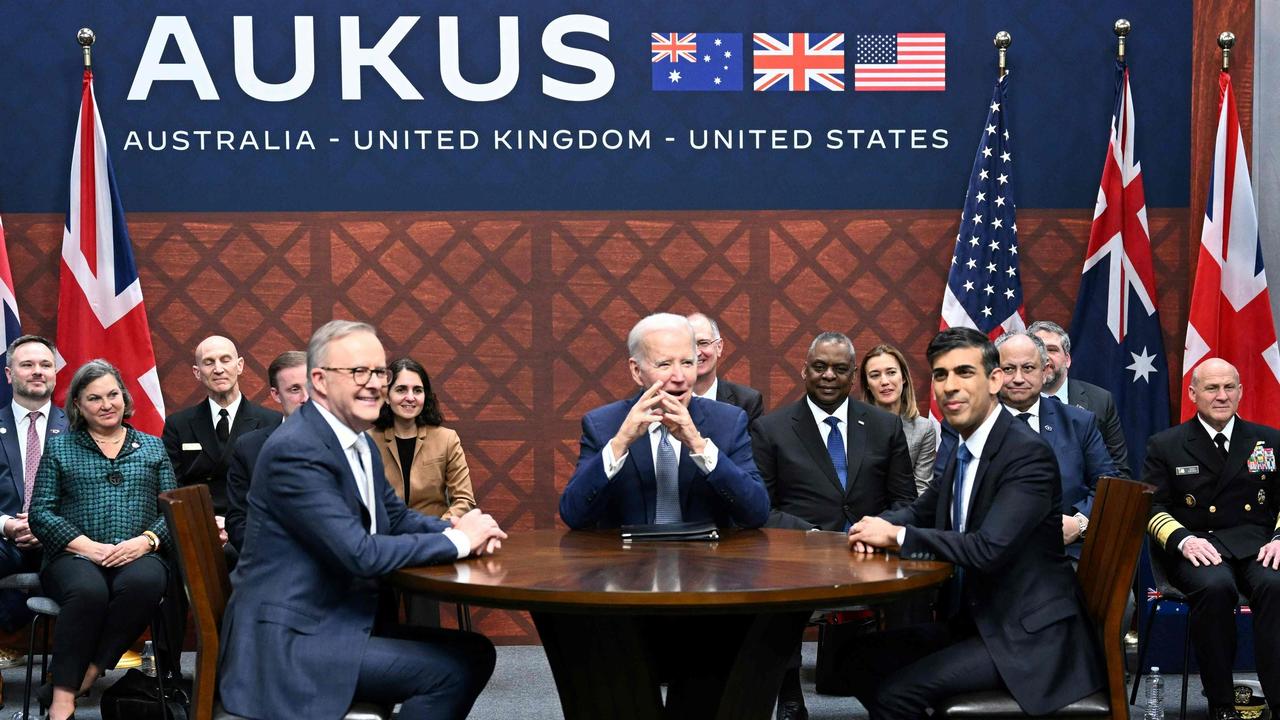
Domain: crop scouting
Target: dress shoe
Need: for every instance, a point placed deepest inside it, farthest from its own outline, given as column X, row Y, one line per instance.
column 1224, row 712
column 792, row 710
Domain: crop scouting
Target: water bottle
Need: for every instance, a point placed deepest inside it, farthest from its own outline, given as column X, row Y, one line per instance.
column 1155, row 696
column 148, row 666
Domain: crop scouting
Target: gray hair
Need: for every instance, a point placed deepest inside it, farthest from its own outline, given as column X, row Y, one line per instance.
column 83, row 377
column 835, row 337
column 23, row 340
column 1056, row 329
column 652, row 324
column 715, row 328
column 1040, row 346
column 326, row 334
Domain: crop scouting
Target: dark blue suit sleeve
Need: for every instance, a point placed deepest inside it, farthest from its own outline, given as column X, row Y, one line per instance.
column 1097, row 461
column 587, row 494
column 737, row 480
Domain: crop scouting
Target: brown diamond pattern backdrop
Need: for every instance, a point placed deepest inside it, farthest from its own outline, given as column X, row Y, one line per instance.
column 522, row 317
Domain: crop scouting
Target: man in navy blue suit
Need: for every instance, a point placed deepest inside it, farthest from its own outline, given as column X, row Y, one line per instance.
column 664, row 455
column 322, row 528
column 25, row 426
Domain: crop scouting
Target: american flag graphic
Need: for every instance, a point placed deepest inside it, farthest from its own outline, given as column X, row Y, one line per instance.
column 100, row 309
column 798, row 62
column 903, row 62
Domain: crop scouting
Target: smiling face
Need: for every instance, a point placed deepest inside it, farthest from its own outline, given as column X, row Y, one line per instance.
column 709, row 346
column 357, row 406
column 101, row 404
column 884, row 381
column 668, row 357
column 31, row 373
column 965, row 393
column 828, row 374
column 1059, row 360
column 407, row 395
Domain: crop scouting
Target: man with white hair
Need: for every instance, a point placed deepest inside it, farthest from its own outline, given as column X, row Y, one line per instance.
column 663, row 455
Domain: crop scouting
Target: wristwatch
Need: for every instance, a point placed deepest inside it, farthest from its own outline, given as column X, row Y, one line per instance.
column 1084, row 523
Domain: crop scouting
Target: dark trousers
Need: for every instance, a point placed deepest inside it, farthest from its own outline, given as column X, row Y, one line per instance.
column 899, row 673
column 1213, row 591
column 436, row 673
column 104, row 610
column 13, row 603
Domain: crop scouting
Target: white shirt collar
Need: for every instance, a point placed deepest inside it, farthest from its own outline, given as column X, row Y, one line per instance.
column 1033, row 411
column 20, row 412
column 1230, row 426
column 232, row 409
column 1062, row 391
column 820, row 416
column 346, row 436
column 710, row 394
column 977, row 440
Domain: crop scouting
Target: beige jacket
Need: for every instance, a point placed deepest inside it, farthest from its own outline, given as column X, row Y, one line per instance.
column 439, row 481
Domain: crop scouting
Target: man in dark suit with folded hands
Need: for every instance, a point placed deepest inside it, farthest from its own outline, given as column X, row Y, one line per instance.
column 1013, row 616
column 323, row 527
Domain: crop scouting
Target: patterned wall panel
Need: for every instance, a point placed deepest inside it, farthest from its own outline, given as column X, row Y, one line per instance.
column 522, row 317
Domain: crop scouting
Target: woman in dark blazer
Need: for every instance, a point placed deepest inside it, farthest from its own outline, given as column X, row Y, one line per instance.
column 94, row 510
column 886, row 383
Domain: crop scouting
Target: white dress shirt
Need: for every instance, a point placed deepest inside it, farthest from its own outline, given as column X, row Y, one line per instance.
column 975, row 442
column 22, row 421
column 231, row 409
column 710, row 394
column 1033, row 411
column 841, row 414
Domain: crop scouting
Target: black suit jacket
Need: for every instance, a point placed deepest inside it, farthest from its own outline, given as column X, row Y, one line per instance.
column 1018, row 586
column 804, row 491
column 239, row 476
column 11, row 486
column 1099, row 402
column 749, row 399
column 192, row 444
column 1233, row 503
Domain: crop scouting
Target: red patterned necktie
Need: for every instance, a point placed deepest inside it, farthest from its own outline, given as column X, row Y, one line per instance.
column 34, row 449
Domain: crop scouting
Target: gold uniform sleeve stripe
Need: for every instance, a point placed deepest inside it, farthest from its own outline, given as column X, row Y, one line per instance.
column 1161, row 526
column 1277, row 527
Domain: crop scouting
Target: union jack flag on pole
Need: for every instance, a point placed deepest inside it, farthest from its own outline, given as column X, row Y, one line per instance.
column 9, row 316
column 1230, row 314
column 805, row 61
column 100, row 309
column 1116, row 325
column 984, row 287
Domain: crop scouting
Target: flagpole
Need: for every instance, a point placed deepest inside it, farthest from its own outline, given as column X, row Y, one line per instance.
column 1226, row 41
column 1121, row 29
column 86, row 37
column 1003, row 41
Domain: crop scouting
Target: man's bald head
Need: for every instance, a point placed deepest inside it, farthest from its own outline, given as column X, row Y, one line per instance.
column 1215, row 389
column 218, row 366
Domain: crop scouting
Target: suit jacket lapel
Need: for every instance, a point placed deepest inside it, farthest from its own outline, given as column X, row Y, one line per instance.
column 1199, row 445
column 202, row 429
column 9, row 439
column 977, row 506
column 855, row 442
column 640, row 455
column 375, row 467
column 688, row 468
column 1242, row 443
column 945, row 486
column 811, row 440
column 245, row 421
column 346, row 480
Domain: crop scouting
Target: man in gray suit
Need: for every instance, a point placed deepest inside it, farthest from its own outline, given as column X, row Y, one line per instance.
column 1080, row 393
column 706, row 335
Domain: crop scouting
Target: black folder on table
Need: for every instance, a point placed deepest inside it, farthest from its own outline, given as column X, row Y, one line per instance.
column 671, row 531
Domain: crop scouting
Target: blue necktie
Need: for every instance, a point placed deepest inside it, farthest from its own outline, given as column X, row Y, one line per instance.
column 963, row 456
column 835, row 448
column 667, row 470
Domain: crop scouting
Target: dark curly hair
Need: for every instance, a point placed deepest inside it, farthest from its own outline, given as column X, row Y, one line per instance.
column 430, row 414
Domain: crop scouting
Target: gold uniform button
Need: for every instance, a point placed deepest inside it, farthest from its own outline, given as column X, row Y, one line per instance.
column 1247, row 507
column 1213, row 508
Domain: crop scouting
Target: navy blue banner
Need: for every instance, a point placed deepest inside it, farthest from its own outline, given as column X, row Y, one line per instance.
column 510, row 105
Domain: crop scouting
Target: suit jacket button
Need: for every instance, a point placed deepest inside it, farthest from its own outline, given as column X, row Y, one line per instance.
column 1247, row 507
column 1213, row 508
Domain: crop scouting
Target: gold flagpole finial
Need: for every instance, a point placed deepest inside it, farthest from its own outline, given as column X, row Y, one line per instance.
column 1121, row 29
column 1226, row 41
column 1003, row 41
column 86, row 37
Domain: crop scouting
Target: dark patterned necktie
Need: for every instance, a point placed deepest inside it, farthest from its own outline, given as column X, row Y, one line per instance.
column 667, row 469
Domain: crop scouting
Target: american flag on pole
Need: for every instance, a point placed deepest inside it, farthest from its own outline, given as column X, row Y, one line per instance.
column 1117, row 322
column 1230, row 313
column 100, row 309
column 12, row 326
column 904, row 62
column 805, row 61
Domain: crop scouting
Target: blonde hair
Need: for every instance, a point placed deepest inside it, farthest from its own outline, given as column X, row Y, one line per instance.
column 907, row 400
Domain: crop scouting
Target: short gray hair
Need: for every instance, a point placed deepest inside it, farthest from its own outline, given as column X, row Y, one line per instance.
column 83, row 377
column 715, row 328
column 1056, row 329
column 1040, row 346
column 835, row 337
column 318, row 347
column 652, row 324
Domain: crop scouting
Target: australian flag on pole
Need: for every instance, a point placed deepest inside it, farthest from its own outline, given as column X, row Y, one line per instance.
column 696, row 61
column 100, row 309
column 8, row 315
column 1115, row 331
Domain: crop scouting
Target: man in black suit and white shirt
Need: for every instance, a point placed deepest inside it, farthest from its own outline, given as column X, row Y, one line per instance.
column 1014, row 615
column 706, row 334
column 199, row 439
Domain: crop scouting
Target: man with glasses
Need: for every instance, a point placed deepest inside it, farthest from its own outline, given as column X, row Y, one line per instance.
column 710, row 345
column 324, row 526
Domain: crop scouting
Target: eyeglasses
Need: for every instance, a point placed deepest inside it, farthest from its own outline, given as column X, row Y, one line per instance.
column 361, row 375
column 704, row 344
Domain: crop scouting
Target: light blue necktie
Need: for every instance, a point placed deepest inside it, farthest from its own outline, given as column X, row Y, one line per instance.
column 958, row 514
column 667, row 469
column 835, row 448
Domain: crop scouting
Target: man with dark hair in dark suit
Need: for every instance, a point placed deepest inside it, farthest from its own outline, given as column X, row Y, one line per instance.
column 199, row 439
column 1079, row 393
column 706, row 335
column 26, row 424
column 1013, row 615
column 1214, row 526
column 287, row 380
column 827, row 460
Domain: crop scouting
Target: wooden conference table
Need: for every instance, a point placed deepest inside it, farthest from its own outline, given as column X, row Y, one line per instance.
column 600, row 605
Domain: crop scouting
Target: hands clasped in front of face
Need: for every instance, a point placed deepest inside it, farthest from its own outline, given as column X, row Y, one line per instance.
column 656, row 405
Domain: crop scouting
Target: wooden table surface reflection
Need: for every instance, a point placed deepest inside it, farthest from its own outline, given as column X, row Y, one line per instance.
column 613, row 615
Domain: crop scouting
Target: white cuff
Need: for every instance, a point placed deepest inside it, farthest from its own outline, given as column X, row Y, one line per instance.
column 902, row 536
column 1183, row 542
column 4, row 519
column 611, row 464
column 707, row 459
column 460, row 541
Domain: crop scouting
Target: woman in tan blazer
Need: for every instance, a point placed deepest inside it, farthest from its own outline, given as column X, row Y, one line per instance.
column 409, row 433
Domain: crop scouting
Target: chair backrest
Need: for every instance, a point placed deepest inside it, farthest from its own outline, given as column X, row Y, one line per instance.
column 189, row 512
column 1107, row 564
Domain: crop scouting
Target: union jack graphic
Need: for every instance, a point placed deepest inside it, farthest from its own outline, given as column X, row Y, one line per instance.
column 12, row 326
column 806, row 61
column 100, row 309
column 674, row 47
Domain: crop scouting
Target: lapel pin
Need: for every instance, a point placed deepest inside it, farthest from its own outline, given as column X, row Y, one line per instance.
column 861, row 422
column 4, row 431
column 1048, row 428
column 55, row 431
